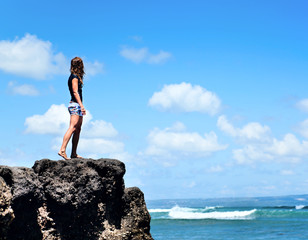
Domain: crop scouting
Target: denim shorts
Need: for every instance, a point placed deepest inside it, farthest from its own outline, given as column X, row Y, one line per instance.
column 74, row 109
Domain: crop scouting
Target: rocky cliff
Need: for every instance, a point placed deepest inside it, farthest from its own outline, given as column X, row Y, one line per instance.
column 80, row 199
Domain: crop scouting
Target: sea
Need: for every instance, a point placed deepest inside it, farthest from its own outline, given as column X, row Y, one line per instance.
column 284, row 218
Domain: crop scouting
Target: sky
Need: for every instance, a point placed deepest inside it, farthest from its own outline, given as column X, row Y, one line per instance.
column 199, row 99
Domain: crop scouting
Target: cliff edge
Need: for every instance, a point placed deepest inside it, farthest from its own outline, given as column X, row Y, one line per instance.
column 80, row 199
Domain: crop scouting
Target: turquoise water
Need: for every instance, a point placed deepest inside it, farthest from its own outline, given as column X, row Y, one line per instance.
column 232, row 219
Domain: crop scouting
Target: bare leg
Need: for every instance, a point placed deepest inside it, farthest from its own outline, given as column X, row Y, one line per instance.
column 75, row 139
column 67, row 136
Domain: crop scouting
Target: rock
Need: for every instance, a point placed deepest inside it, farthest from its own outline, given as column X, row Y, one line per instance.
column 6, row 211
column 80, row 199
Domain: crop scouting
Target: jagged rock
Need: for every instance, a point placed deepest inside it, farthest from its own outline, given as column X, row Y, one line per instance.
column 80, row 199
column 135, row 218
column 6, row 211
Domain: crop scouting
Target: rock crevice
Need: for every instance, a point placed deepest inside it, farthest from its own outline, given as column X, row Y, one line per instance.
column 75, row 199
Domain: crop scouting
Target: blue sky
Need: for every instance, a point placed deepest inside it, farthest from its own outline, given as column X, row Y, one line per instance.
column 199, row 99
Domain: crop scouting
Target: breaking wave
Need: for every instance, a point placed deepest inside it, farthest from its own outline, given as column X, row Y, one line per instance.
column 178, row 213
column 204, row 213
column 224, row 213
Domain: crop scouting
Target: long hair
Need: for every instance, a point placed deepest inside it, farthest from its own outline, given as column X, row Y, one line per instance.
column 77, row 68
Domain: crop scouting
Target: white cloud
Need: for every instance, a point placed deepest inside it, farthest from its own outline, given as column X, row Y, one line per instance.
column 303, row 105
column 258, row 145
column 36, row 58
column 250, row 154
column 54, row 121
column 175, row 140
column 94, row 68
column 99, row 128
column 161, row 57
column 24, row 89
column 133, row 54
column 31, row 57
column 186, row 98
column 143, row 55
column 251, row 131
column 289, row 146
column 289, row 149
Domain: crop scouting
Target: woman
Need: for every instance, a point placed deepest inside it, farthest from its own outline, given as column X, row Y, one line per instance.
column 75, row 108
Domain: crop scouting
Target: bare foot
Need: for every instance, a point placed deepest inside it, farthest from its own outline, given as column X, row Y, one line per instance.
column 76, row 156
column 63, row 154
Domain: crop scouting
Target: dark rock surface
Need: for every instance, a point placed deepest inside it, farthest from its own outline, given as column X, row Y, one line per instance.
column 80, row 199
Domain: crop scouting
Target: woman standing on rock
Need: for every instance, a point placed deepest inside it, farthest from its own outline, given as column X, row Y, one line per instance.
column 75, row 108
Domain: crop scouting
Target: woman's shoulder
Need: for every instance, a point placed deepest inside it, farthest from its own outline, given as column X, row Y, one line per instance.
column 72, row 76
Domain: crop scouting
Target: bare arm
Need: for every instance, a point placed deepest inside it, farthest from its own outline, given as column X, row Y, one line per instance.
column 76, row 94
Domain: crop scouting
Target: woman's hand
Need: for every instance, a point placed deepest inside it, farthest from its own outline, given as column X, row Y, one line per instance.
column 83, row 111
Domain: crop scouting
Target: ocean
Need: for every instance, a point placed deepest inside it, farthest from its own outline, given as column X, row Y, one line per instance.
column 230, row 218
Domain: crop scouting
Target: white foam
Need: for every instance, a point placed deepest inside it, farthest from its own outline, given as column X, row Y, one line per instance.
column 209, row 208
column 299, row 207
column 182, row 213
column 158, row 210
column 177, row 208
column 183, row 209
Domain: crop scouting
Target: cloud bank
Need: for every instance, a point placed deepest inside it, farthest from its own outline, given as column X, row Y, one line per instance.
column 176, row 141
column 31, row 57
column 35, row 58
column 185, row 97
column 259, row 146
column 251, row 131
column 54, row 121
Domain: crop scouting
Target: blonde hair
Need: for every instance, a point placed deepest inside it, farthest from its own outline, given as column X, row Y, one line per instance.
column 77, row 68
